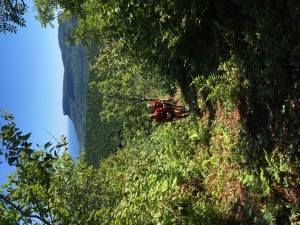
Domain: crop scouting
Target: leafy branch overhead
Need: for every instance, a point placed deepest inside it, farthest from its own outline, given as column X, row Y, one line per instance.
column 49, row 10
column 33, row 170
column 12, row 15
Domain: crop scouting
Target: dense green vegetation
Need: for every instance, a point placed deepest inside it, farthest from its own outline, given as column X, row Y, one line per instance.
column 234, row 161
column 236, row 61
column 102, row 138
column 115, row 113
column 46, row 188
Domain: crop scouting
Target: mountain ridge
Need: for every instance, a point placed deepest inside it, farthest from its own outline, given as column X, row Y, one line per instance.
column 74, row 82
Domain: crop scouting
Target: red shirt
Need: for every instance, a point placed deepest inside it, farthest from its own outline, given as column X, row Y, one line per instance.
column 158, row 104
column 163, row 115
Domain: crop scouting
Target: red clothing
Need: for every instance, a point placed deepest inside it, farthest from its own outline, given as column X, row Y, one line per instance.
column 158, row 104
column 164, row 115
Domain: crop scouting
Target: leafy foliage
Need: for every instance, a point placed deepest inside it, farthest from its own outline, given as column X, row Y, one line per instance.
column 155, row 180
column 46, row 187
column 11, row 14
column 236, row 164
column 102, row 137
column 246, row 84
column 49, row 10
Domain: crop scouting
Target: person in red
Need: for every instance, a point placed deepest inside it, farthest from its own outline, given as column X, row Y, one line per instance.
column 160, row 103
column 165, row 103
column 162, row 115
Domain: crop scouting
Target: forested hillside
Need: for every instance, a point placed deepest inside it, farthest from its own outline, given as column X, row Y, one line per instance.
column 235, row 160
column 102, row 138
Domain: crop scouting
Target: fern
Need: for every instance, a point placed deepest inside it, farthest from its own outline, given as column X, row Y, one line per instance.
column 219, row 86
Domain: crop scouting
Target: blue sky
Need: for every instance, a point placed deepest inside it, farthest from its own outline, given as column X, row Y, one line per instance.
column 31, row 76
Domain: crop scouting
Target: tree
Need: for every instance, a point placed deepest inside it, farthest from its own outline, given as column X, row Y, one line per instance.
column 49, row 10
column 19, row 199
column 46, row 187
column 11, row 15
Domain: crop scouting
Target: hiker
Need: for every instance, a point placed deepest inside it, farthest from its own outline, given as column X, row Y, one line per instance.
column 161, row 115
column 166, row 103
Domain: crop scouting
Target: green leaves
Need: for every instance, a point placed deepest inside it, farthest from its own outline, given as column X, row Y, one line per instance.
column 49, row 10
column 26, row 194
column 264, row 219
column 50, row 190
column 11, row 15
column 12, row 140
column 179, row 172
column 164, row 186
column 12, row 160
column 142, row 182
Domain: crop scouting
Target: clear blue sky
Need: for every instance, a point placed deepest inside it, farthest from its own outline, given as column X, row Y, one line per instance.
column 31, row 76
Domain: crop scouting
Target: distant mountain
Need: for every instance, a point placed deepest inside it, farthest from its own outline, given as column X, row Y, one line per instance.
column 75, row 82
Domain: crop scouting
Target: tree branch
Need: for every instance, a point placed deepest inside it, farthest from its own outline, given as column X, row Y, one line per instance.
column 7, row 201
column 33, row 196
